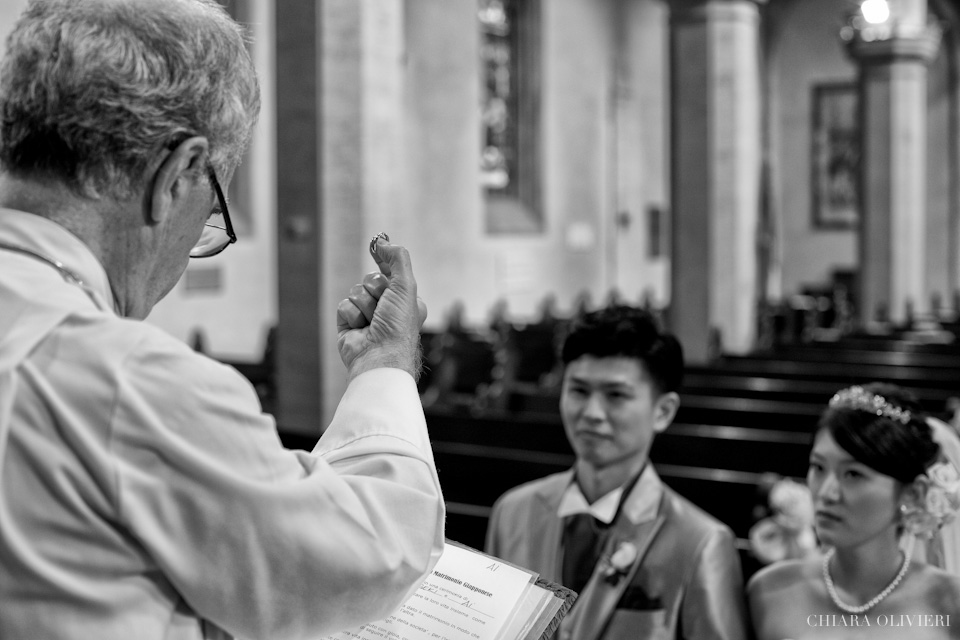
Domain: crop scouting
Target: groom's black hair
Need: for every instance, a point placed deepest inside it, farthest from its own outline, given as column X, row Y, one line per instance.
column 622, row 330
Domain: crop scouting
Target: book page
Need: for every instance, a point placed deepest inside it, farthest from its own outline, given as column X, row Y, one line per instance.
column 532, row 615
column 468, row 596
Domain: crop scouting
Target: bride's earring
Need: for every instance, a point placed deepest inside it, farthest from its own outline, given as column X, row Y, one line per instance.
column 906, row 516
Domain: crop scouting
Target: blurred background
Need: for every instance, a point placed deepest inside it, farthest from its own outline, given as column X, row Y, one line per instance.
column 776, row 179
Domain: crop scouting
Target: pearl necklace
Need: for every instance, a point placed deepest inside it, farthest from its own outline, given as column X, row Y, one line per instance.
column 832, row 590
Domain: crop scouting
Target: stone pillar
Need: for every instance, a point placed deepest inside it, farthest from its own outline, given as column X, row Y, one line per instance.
column 716, row 139
column 339, row 140
column 298, row 218
column 893, row 103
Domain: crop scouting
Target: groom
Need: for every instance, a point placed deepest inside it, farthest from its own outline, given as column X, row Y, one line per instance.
column 646, row 562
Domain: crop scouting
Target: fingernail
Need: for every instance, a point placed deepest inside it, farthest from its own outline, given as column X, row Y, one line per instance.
column 373, row 240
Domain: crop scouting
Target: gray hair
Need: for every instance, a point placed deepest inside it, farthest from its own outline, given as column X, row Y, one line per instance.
column 91, row 90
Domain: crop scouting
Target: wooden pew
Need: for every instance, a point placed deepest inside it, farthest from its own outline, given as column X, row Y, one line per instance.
column 869, row 342
column 903, row 354
column 460, row 368
column 715, row 381
column 529, row 355
column 944, row 380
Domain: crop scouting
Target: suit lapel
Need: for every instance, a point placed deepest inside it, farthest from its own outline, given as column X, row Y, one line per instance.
column 546, row 548
column 599, row 598
column 639, row 521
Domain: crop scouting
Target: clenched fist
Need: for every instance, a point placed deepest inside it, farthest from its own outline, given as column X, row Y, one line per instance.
column 379, row 322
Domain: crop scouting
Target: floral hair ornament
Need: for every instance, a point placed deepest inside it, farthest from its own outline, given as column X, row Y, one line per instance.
column 862, row 400
column 936, row 503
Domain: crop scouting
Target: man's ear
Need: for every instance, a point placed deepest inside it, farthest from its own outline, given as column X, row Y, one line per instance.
column 175, row 171
column 665, row 410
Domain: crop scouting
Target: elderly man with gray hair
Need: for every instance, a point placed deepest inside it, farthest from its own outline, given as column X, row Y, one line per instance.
column 143, row 493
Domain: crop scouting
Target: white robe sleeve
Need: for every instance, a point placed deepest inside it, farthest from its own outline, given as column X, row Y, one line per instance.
column 266, row 542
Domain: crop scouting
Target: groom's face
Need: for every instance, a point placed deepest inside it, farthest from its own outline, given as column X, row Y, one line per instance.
column 611, row 410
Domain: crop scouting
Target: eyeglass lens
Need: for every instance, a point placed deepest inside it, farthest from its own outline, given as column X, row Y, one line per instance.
column 218, row 231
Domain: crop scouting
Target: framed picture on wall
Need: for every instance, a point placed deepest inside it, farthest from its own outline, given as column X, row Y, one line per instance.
column 835, row 155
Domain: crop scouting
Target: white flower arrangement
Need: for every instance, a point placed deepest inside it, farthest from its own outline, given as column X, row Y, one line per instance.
column 792, row 505
column 788, row 531
column 936, row 502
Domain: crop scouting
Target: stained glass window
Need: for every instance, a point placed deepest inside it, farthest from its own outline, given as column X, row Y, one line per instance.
column 509, row 114
column 499, row 111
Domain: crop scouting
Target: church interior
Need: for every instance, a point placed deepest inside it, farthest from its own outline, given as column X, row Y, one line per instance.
column 777, row 180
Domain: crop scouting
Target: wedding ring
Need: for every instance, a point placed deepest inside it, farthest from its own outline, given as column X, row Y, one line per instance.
column 373, row 241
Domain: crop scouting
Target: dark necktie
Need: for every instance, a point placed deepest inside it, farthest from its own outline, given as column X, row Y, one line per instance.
column 583, row 537
column 583, row 540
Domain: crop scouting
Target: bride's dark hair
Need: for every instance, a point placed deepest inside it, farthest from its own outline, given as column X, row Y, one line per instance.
column 885, row 443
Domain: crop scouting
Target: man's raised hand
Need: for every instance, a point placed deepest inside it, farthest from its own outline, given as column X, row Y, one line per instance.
column 379, row 321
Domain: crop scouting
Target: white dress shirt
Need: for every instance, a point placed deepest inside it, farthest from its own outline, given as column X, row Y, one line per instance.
column 649, row 491
column 144, row 494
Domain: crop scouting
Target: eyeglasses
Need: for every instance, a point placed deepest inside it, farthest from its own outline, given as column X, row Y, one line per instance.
column 215, row 238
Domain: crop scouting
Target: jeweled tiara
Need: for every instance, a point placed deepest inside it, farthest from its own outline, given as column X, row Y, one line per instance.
column 862, row 400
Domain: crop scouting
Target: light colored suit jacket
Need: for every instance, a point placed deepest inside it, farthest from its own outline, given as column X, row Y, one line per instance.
column 685, row 582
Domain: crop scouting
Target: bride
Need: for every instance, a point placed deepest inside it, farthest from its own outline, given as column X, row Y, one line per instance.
column 877, row 478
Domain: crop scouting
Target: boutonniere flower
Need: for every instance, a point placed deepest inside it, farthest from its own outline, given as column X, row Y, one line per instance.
column 618, row 563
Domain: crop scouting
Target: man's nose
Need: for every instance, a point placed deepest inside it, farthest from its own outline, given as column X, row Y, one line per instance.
column 594, row 408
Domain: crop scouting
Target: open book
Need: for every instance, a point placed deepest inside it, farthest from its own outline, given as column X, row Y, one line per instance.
column 473, row 596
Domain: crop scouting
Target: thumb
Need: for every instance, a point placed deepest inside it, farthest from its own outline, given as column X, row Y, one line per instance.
column 393, row 260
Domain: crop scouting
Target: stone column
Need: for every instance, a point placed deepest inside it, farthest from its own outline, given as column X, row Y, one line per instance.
column 339, row 140
column 716, row 138
column 893, row 101
column 298, row 218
